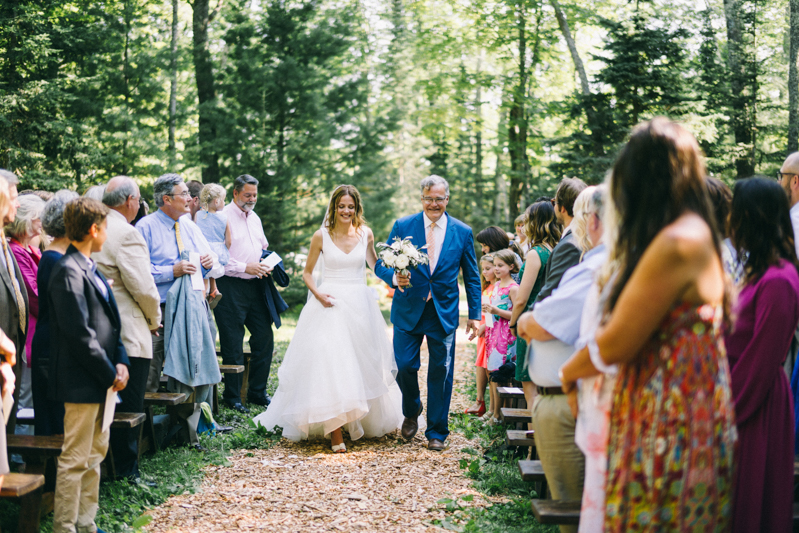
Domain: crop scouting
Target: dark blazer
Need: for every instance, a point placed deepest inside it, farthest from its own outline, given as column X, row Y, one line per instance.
column 564, row 256
column 85, row 344
column 9, row 313
column 275, row 302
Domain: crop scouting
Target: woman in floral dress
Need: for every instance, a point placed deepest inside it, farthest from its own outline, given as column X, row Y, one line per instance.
column 672, row 430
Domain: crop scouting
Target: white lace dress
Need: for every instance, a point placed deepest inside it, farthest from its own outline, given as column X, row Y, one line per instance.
column 339, row 369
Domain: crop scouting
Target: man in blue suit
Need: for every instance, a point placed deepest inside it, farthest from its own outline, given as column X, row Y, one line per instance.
column 426, row 306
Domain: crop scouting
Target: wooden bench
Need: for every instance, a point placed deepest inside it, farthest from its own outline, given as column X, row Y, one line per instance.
column 123, row 421
column 558, row 512
column 513, row 416
column 510, row 393
column 27, row 488
column 245, row 379
column 225, row 369
column 532, row 471
column 157, row 399
column 518, row 437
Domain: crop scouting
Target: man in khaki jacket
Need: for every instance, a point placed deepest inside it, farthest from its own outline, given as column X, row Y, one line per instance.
column 125, row 262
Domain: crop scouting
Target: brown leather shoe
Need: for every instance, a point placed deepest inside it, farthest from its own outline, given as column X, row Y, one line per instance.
column 410, row 425
column 436, row 445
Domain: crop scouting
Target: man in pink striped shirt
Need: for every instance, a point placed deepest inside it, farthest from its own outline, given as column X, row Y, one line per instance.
column 244, row 303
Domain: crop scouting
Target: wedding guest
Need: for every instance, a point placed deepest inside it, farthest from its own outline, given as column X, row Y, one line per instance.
column 48, row 413
column 125, row 262
column 499, row 341
column 552, row 329
column 721, row 200
column 212, row 221
column 13, row 296
column 89, row 359
column 543, row 234
column 195, row 188
column 43, row 239
column 491, row 239
column 665, row 305
column 244, row 303
column 27, row 226
column 95, row 192
column 521, row 236
column 767, row 313
column 566, row 253
column 8, row 349
column 591, row 430
column 788, row 176
column 187, row 346
column 487, row 280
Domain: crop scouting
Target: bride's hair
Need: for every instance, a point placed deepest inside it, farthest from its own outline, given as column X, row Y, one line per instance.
column 340, row 192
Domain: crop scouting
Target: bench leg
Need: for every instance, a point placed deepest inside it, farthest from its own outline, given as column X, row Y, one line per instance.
column 215, row 394
column 151, row 429
column 30, row 512
column 245, row 379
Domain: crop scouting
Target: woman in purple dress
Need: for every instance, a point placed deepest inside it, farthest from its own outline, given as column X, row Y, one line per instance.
column 767, row 314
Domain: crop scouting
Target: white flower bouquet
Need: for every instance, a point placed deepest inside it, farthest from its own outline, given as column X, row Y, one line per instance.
column 401, row 255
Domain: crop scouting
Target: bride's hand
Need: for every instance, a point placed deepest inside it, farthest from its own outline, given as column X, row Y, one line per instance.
column 325, row 299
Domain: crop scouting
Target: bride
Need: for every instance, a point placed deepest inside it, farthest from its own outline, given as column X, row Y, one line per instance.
column 339, row 370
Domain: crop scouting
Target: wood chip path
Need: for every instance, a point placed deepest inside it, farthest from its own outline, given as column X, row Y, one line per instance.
column 381, row 485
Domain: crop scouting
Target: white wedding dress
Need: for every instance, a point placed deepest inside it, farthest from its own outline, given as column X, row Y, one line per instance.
column 339, row 370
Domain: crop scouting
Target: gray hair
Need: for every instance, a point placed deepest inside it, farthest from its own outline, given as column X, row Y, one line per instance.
column 30, row 209
column 432, row 180
column 10, row 177
column 95, row 192
column 241, row 181
column 119, row 196
column 53, row 214
column 164, row 185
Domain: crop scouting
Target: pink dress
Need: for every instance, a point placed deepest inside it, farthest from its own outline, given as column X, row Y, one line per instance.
column 500, row 343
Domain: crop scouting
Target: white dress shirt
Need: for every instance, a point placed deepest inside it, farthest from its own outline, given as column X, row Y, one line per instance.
column 440, row 231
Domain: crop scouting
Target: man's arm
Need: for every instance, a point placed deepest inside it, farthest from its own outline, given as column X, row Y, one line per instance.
column 471, row 278
column 565, row 256
column 132, row 256
column 72, row 318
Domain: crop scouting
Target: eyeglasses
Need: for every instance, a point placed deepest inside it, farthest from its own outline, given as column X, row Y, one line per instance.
column 437, row 200
column 184, row 194
column 781, row 174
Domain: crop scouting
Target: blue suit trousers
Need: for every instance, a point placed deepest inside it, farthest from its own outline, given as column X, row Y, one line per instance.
column 440, row 372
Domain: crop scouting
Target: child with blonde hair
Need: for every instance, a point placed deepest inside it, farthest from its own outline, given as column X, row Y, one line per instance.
column 213, row 223
column 487, row 279
column 500, row 342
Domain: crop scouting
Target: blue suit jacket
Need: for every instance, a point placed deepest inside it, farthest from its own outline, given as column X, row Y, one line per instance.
column 457, row 253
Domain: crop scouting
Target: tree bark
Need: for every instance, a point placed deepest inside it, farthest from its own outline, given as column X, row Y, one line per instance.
column 741, row 110
column 793, row 80
column 206, row 94
column 173, row 84
column 517, row 124
column 478, row 140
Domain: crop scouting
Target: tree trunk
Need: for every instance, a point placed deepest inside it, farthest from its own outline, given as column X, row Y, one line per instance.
column 478, row 141
column 567, row 35
column 517, row 125
column 173, row 85
column 740, row 112
column 793, row 80
column 206, row 95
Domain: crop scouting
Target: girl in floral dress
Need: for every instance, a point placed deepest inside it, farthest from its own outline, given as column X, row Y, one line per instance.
column 500, row 342
column 487, row 279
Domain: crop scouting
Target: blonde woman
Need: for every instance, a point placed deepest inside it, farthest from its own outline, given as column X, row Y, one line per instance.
column 339, row 370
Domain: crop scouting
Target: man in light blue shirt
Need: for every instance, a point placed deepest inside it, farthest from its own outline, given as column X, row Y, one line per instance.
column 552, row 329
column 169, row 233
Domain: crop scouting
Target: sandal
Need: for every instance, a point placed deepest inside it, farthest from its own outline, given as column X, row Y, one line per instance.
column 339, row 448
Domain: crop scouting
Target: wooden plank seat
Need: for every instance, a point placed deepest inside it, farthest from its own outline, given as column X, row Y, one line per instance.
column 27, row 489
column 231, row 369
column 558, row 512
column 511, row 393
column 516, row 437
column 513, row 416
column 531, row 471
column 128, row 420
column 151, row 400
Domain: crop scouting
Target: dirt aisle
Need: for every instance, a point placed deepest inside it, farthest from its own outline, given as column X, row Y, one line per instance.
column 378, row 485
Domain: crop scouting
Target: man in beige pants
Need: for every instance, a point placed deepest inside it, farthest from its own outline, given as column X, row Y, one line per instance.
column 88, row 358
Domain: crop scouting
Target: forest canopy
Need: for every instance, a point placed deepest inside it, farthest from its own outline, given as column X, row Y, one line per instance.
column 503, row 98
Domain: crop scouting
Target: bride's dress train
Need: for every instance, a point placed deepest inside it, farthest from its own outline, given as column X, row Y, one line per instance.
column 339, row 370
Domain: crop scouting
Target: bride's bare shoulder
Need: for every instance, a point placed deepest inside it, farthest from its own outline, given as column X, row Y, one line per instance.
column 316, row 238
